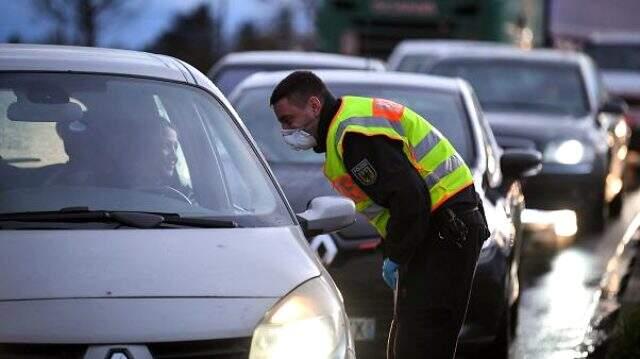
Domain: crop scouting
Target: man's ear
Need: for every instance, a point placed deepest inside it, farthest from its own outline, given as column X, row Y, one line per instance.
column 316, row 104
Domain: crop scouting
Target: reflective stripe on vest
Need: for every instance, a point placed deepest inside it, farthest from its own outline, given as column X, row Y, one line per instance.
column 437, row 161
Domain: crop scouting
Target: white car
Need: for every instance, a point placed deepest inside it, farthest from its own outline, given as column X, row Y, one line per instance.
column 236, row 66
column 138, row 220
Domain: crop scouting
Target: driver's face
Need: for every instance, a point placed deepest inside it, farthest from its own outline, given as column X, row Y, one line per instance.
column 169, row 150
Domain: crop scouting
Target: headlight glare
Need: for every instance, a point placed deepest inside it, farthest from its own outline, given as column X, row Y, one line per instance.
column 569, row 152
column 308, row 323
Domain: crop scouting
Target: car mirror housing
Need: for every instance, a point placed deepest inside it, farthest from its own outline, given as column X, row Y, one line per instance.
column 327, row 214
column 520, row 163
column 614, row 106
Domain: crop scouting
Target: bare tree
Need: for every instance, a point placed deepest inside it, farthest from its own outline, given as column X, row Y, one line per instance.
column 79, row 22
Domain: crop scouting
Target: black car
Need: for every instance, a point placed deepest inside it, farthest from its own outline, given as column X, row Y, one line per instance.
column 550, row 100
column 451, row 106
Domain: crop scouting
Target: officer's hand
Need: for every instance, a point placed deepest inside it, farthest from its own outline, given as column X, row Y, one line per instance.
column 390, row 272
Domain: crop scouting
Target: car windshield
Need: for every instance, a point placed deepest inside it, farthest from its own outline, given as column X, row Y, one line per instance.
column 126, row 144
column 228, row 77
column 522, row 85
column 616, row 56
column 444, row 110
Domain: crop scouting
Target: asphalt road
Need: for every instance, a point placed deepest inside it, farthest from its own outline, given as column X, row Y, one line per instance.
column 559, row 282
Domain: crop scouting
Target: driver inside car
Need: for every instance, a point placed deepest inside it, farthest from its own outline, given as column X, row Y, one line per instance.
column 148, row 156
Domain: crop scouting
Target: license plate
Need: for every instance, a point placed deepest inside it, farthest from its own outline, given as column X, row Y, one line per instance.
column 363, row 328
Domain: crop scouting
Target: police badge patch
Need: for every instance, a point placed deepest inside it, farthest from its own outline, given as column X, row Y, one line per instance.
column 365, row 173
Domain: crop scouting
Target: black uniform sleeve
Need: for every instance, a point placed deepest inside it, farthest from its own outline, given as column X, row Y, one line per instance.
column 381, row 169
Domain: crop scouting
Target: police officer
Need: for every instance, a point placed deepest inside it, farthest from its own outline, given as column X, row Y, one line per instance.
column 414, row 188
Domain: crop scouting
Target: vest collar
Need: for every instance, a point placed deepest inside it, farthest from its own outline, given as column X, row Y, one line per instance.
column 328, row 112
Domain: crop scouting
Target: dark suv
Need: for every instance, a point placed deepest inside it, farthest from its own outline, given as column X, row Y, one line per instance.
column 550, row 100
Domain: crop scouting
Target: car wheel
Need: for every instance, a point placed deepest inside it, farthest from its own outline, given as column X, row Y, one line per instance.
column 499, row 349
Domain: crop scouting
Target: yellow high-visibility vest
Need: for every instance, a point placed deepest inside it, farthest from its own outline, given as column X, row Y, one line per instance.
column 436, row 160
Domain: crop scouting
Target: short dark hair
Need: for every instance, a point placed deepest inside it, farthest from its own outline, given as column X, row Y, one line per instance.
column 298, row 86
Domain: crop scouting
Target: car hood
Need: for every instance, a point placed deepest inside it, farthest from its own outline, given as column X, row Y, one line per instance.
column 130, row 320
column 301, row 182
column 155, row 263
column 623, row 83
column 533, row 130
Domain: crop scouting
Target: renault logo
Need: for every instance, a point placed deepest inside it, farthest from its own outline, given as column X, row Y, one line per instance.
column 119, row 354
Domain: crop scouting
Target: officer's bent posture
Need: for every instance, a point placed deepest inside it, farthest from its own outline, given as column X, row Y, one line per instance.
column 413, row 187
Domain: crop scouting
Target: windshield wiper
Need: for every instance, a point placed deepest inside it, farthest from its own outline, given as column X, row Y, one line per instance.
column 135, row 219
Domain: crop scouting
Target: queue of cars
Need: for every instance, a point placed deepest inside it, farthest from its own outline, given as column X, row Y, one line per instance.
column 140, row 217
column 576, row 128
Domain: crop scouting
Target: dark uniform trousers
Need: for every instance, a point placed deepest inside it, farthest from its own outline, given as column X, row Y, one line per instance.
column 433, row 293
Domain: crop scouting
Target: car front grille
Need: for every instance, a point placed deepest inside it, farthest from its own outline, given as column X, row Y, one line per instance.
column 237, row 348
column 42, row 351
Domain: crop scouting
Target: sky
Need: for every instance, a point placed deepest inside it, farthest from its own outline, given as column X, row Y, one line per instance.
column 20, row 17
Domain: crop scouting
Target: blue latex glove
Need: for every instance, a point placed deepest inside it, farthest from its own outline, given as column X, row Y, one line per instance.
column 389, row 272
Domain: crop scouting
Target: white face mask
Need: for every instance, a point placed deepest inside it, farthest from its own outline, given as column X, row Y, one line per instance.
column 298, row 139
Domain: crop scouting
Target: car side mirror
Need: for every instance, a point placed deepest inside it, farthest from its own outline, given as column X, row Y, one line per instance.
column 519, row 163
column 615, row 106
column 327, row 214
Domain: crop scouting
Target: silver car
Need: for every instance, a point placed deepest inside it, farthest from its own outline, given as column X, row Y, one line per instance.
column 236, row 66
column 137, row 219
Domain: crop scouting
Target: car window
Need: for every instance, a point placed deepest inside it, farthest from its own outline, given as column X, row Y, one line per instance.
column 415, row 63
column 443, row 109
column 118, row 143
column 491, row 148
column 522, row 85
column 615, row 56
column 228, row 77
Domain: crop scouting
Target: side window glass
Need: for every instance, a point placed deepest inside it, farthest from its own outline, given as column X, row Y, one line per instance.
column 491, row 147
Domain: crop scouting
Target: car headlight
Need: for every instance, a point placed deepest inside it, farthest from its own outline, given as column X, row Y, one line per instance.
column 569, row 152
column 308, row 323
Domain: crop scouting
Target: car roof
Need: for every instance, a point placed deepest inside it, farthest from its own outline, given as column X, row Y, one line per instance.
column 301, row 59
column 358, row 77
column 55, row 58
column 600, row 38
column 480, row 49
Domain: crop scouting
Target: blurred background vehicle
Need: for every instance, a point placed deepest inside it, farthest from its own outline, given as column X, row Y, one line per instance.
column 453, row 109
column 618, row 57
column 374, row 27
column 235, row 67
column 550, row 100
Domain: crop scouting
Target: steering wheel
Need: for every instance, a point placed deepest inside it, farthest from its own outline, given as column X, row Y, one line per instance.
column 170, row 192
